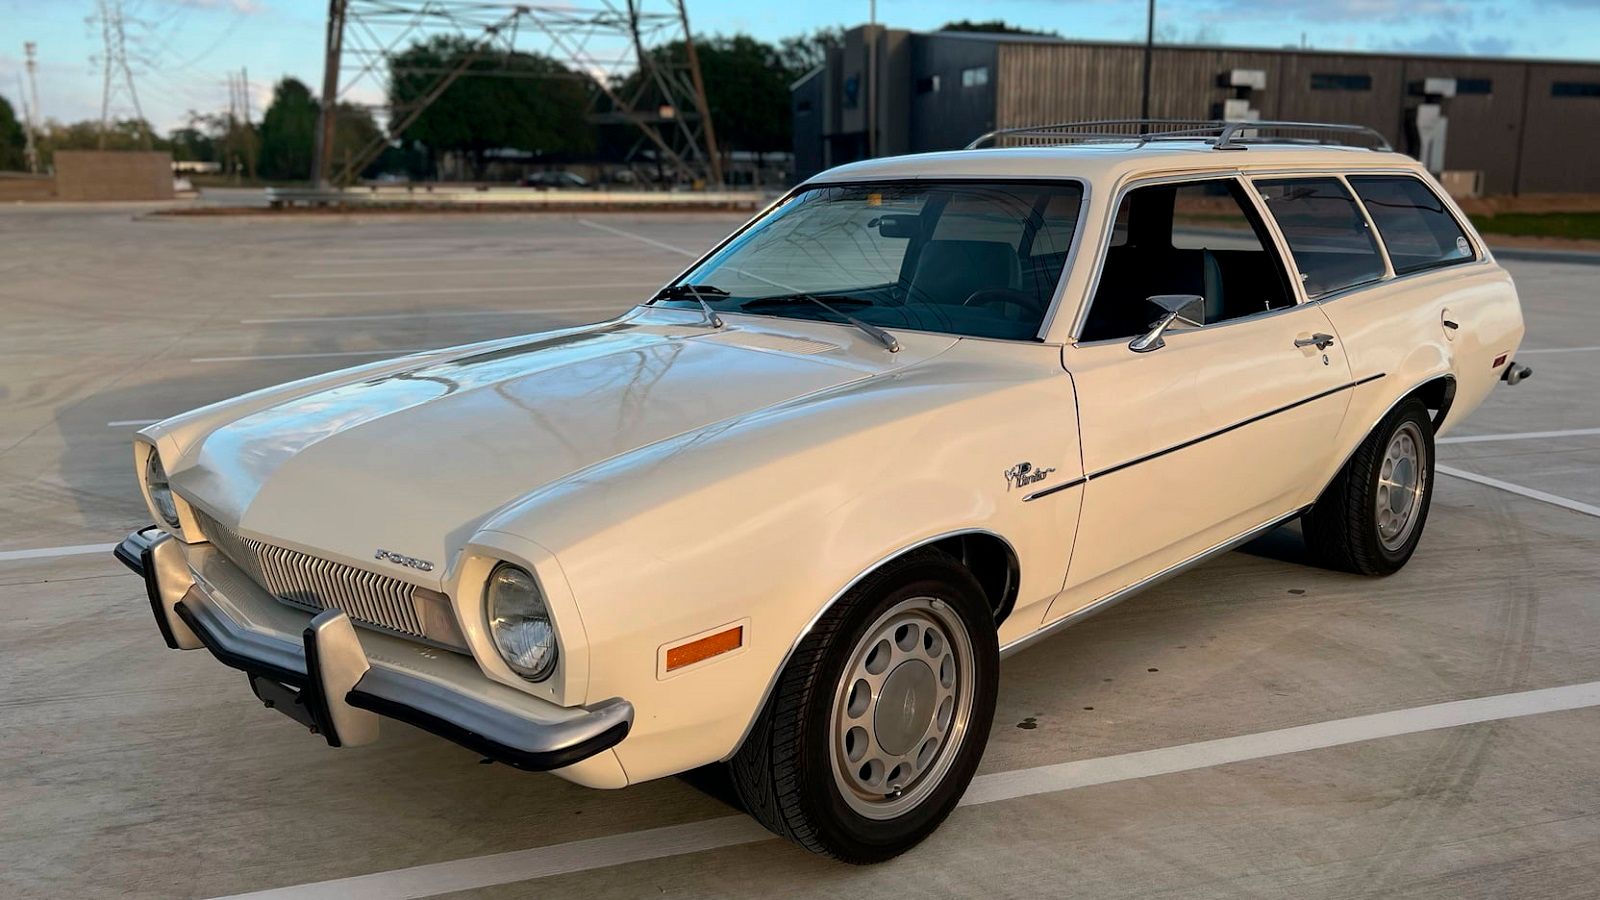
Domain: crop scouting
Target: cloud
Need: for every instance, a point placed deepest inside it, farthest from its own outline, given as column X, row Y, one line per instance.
column 1385, row 11
column 1453, row 43
column 242, row 7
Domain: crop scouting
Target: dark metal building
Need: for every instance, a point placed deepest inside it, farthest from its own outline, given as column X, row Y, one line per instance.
column 1515, row 126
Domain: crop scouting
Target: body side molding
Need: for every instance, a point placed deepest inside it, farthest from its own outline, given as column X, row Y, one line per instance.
column 1204, row 437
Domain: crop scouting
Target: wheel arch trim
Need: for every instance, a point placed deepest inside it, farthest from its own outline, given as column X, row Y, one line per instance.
column 805, row 630
column 1449, row 388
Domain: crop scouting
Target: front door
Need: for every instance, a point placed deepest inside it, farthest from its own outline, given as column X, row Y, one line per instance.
column 1222, row 428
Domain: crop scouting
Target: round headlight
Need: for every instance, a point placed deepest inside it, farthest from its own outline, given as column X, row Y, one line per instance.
column 155, row 481
column 520, row 622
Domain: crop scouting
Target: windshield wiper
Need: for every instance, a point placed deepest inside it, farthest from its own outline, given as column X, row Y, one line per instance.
column 872, row 331
column 699, row 292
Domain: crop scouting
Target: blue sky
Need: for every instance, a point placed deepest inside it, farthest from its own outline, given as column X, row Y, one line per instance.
column 182, row 50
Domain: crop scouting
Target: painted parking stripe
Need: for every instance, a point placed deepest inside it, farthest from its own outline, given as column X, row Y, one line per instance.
column 637, row 237
column 272, row 356
column 52, row 552
column 1587, row 509
column 458, row 313
column 457, row 273
column 515, row 289
column 1517, row 436
column 1558, row 350
column 727, row 831
column 131, row 423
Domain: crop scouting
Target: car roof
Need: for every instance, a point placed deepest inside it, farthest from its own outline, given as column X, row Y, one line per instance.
column 1110, row 161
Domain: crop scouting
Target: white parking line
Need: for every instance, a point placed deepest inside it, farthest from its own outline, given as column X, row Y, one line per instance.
column 461, row 313
column 1517, row 436
column 51, row 552
column 1531, row 493
column 1557, row 350
column 726, row 831
column 311, row 276
column 637, row 237
column 518, row 289
column 267, row 356
column 132, row 423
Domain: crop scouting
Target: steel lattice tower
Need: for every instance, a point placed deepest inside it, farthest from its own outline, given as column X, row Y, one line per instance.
column 603, row 41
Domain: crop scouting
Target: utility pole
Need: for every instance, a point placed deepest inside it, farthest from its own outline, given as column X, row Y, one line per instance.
column 333, row 49
column 872, row 78
column 30, row 107
column 249, row 127
column 1149, row 51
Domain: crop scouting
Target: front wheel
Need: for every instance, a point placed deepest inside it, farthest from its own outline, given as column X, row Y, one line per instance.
column 877, row 724
column 1370, row 518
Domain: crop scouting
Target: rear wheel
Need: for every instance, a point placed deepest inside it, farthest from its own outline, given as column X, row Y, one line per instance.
column 878, row 723
column 1370, row 518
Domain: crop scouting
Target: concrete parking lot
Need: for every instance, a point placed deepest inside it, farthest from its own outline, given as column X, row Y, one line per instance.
column 1257, row 727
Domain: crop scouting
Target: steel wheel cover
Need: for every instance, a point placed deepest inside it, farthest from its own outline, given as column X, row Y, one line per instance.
column 1401, row 483
column 901, row 708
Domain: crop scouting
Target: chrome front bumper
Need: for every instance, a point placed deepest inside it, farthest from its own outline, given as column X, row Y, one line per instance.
column 337, row 681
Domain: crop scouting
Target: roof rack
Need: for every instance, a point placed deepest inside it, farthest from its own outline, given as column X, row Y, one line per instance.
column 1221, row 135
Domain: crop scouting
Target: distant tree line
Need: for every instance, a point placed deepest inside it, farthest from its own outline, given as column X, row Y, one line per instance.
column 518, row 101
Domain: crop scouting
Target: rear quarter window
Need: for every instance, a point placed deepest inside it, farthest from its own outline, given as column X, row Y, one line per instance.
column 1417, row 229
column 1328, row 236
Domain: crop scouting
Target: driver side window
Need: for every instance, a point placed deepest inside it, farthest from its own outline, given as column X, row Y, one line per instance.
column 1201, row 238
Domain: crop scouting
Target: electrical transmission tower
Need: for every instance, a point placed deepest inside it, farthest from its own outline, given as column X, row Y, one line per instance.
column 617, row 48
column 114, row 62
column 30, row 106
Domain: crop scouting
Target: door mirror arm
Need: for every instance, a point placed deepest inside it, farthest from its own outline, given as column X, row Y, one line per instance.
column 1190, row 309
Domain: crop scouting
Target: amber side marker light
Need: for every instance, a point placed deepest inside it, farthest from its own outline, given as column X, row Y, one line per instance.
column 705, row 648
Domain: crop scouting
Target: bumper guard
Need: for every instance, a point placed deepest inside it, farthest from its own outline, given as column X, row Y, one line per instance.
column 327, row 682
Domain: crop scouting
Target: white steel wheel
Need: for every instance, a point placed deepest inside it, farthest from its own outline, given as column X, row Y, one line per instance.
column 901, row 708
column 1402, row 478
column 878, row 721
column 1370, row 518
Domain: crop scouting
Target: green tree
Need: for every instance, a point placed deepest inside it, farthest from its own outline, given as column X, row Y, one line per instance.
column 287, row 130
column 122, row 134
column 747, row 90
column 803, row 52
column 12, row 139
column 992, row 26
column 521, row 101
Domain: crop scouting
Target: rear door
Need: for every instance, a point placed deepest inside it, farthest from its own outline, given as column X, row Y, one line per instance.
column 1223, row 428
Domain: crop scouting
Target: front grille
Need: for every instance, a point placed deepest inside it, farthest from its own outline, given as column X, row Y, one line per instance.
column 299, row 579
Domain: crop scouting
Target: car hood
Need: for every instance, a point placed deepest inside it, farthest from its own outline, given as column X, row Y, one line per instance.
column 413, row 461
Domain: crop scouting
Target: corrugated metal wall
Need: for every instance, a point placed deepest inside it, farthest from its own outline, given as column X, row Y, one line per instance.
column 1520, row 136
column 1558, row 141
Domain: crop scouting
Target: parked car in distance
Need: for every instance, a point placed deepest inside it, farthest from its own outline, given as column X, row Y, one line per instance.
column 789, row 514
column 554, row 179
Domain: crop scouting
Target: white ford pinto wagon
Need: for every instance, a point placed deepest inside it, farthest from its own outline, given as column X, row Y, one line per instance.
column 789, row 514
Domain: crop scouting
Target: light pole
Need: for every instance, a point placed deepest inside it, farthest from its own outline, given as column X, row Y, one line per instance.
column 1149, row 48
column 872, row 78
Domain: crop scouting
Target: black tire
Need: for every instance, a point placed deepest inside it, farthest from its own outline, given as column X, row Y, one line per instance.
column 1342, row 529
column 784, row 773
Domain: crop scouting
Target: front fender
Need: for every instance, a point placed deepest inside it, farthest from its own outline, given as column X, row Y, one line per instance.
column 773, row 517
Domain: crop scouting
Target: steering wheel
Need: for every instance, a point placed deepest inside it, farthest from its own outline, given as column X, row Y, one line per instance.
column 998, row 296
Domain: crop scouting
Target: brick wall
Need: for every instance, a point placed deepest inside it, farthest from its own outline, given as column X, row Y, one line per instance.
column 112, row 175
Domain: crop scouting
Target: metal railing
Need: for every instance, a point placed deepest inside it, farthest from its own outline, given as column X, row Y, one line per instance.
column 1221, row 135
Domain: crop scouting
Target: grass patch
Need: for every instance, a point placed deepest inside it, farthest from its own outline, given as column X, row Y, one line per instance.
column 1576, row 226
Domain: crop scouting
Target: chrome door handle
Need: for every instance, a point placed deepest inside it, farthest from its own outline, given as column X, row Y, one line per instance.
column 1319, row 340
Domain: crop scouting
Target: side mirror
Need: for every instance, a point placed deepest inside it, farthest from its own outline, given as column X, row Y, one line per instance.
column 1190, row 309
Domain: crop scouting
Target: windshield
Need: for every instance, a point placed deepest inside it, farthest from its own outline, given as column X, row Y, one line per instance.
column 967, row 258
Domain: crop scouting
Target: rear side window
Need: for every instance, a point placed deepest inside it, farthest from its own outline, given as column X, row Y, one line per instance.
column 1332, row 246
column 1417, row 229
